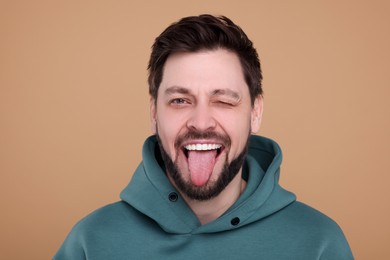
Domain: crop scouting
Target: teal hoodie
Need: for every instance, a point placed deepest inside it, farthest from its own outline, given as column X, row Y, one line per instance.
column 152, row 221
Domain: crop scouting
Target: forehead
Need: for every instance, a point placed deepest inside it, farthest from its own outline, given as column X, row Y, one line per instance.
column 207, row 69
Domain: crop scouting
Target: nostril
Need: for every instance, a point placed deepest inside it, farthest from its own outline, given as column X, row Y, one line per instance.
column 201, row 121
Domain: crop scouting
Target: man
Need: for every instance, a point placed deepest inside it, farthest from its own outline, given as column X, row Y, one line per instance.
column 206, row 187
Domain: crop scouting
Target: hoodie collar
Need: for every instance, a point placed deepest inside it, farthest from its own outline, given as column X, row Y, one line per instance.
column 149, row 191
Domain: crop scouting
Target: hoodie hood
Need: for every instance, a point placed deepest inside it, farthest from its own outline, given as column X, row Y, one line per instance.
column 150, row 191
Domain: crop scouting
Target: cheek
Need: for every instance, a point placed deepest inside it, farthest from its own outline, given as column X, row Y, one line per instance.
column 168, row 129
column 237, row 127
column 236, row 124
column 241, row 133
column 165, row 131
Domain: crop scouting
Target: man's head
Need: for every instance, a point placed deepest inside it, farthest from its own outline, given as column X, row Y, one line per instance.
column 205, row 87
column 205, row 32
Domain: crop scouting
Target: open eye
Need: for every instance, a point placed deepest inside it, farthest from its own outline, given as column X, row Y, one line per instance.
column 178, row 101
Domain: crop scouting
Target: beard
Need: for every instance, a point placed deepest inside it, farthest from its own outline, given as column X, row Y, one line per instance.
column 212, row 188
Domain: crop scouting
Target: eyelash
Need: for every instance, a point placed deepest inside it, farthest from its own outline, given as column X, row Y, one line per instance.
column 178, row 101
column 183, row 101
column 225, row 103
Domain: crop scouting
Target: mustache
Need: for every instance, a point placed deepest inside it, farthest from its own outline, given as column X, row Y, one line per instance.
column 193, row 134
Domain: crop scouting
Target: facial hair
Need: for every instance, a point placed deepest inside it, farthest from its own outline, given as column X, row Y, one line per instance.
column 211, row 189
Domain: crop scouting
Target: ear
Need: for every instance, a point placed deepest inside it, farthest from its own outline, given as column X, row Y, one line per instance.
column 257, row 114
column 153, row 115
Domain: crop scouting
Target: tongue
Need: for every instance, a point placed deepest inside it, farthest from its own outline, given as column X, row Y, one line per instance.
column 201, row 165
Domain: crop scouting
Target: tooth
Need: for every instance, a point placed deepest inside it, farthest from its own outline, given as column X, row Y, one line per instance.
column 202, row 147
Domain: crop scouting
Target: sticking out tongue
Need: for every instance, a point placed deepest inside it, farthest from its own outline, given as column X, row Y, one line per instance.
column 201, row 165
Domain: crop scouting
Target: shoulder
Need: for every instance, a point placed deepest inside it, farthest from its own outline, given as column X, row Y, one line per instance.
column 320, row 229
column 109, row 217
column 309, row 219
column 96, row 230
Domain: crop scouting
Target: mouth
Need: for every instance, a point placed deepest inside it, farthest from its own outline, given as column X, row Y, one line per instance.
column 201, row 158
column 203, row 147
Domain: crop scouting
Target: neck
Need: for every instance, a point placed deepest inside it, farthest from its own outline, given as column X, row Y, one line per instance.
column 207, row 211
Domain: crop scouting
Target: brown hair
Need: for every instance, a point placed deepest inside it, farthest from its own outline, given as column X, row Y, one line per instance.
column 205, row 32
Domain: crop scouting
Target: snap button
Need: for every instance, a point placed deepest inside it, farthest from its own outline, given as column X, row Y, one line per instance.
column 235, row 221
column 173, row 196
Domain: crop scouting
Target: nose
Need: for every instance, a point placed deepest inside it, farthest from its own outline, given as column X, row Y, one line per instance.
column 201, row 119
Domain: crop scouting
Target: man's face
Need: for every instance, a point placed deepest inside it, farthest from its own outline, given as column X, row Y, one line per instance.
column 203, row 118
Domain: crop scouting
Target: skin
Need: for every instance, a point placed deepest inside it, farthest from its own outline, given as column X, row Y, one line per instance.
column 206, row 91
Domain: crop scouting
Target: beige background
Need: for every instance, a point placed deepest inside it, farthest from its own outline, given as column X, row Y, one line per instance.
column 74, row 108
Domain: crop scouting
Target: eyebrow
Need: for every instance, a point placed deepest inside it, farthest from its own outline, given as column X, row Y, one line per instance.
column 176, row 89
